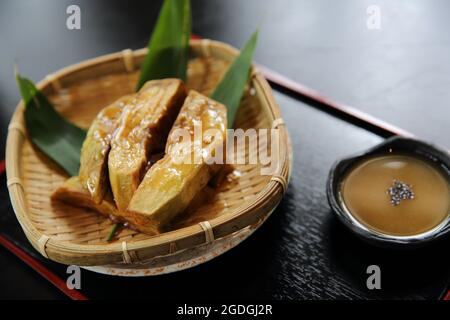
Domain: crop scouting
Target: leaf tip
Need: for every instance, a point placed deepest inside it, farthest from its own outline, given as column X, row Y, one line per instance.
column 16, row 73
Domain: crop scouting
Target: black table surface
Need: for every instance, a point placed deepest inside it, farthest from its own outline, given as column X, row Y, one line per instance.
column 399, row 73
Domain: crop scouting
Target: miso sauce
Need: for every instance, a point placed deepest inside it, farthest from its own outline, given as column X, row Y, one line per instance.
column 364, row 192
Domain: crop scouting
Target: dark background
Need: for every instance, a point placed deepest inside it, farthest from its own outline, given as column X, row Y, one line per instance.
column 400, row 74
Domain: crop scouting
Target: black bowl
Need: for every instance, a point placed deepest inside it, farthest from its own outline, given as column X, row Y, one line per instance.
column 407, row 146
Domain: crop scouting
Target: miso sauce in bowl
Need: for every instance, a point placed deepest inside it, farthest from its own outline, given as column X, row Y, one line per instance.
column 366, row 193
column 396, row 194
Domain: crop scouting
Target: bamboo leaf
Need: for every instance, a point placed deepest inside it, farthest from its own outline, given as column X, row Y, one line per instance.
column 112, row 232
column 230, row 89
column 168, row 48
column 50, row 132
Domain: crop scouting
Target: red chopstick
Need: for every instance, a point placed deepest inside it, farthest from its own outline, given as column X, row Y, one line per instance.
column 332, row 106
column 41, row 269
column 447, row 296
column 2, row 166
column 38, row 266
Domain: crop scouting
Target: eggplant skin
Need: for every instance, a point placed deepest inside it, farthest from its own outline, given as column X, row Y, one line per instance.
column 169, row 186
column 142, row 129
column 73, row 192
column 93, row 171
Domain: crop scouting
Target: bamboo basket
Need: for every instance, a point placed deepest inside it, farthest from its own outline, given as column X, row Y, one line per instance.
column 77, row 236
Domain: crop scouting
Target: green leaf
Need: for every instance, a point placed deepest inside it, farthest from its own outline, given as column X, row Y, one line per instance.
column 50, row 132
column 230, row 89
column 168, row 48
column 112, row 232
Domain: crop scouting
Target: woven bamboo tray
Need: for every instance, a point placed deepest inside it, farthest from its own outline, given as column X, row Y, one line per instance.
column 77, row 236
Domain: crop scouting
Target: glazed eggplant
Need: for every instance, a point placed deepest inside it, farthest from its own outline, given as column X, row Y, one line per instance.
column 171, row 184
column 93, row 171
column 142, row 129
column 74, row 193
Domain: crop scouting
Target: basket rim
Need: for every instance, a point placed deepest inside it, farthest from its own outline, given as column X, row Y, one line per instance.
column 68, row 252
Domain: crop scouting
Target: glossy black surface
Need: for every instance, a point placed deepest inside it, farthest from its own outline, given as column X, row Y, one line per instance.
column 399, row 73
column 302, row 251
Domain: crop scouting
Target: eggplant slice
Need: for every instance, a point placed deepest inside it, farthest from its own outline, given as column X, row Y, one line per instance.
column 143, row 128
column 74, row 193
column 93, row 171
column 170, row 184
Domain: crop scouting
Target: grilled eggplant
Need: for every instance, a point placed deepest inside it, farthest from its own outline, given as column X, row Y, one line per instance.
column 171, row 184
column 94, row 153
column 142, row 129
